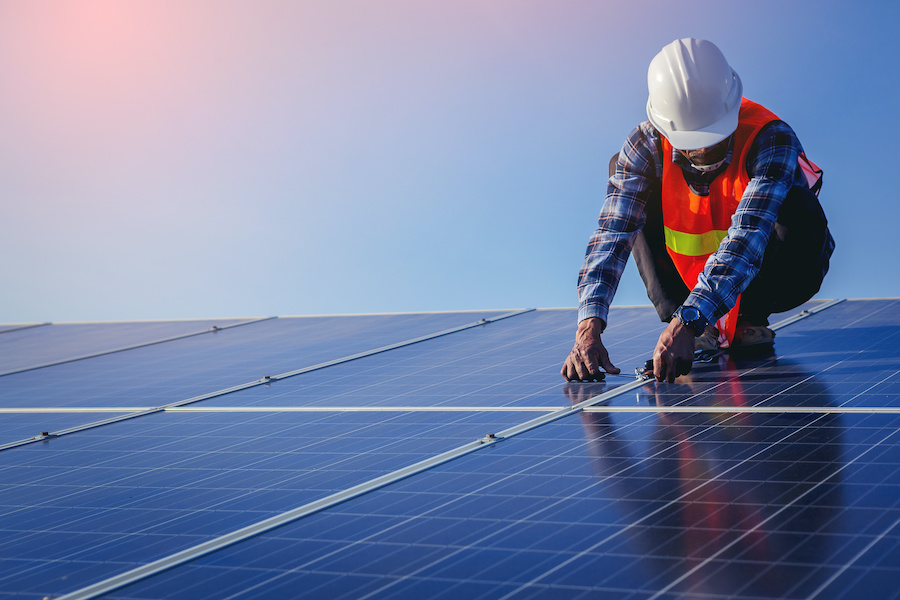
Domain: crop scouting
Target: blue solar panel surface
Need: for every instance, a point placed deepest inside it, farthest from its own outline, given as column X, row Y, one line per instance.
column 768, row 476
column 113, row 497
column 688, row 506
column 24, row 347
column 19, row 426
column 163, row 373
column 503, row 364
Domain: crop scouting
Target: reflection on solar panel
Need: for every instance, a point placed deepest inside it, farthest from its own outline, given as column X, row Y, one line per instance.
column 440, row 456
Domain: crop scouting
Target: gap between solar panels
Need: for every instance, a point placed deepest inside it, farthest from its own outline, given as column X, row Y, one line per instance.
column 213, row 329
column 23, row 327
column 133, row 414
column 886, row 410
column 489, row 440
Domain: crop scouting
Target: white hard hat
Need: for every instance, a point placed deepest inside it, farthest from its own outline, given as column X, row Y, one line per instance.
column 695, row 96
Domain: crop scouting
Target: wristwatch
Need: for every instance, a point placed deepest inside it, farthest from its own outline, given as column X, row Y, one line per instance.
column 691, row 318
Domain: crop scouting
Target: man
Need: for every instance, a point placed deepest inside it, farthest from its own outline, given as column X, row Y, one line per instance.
column 715, row 199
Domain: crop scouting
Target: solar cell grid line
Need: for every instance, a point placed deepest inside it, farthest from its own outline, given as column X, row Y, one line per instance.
column 433, row 506
column 802, row 587
column 164, row 484
column 703, row 391
column 586, row 551
column 530, row 425
column 855, row 365
column 845, row 567
column 445, row 382
column 805, row 312
column 516, row 364
column 71, row 359
column 120, row 418
column 762, row 523
column 197, row 365
column 703, row 388
column 60, row 341
column 402, row 344
column 260, row 382
column 761, row 409
column 329, row 501
column 376, row 538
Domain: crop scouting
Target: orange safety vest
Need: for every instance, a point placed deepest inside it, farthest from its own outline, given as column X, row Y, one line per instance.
column 696, row 225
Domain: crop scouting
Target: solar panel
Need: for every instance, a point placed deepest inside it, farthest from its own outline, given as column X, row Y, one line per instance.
column 580, row 508
column 10, row 327
column 27, row 347
column 138, row 490
column 505, row 364
column 758, row 507
column 409, row 472
column 157, row 374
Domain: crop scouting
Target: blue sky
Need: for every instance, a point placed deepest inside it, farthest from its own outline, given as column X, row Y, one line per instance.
column 194, row 158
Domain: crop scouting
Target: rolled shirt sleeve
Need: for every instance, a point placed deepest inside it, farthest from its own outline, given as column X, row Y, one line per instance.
column 621, row 217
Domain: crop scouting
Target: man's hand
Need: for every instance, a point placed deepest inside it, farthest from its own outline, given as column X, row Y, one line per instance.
column 588, row 355
column 674, row 352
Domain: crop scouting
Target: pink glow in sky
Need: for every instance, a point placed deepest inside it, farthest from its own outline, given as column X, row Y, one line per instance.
column 200, row 158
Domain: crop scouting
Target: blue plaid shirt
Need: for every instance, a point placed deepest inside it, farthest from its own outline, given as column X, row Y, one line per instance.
column 773, row 169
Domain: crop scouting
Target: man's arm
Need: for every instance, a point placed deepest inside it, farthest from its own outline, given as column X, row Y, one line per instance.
column 772, row 167
column 621, row 217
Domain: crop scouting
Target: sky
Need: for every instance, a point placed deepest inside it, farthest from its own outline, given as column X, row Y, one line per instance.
column 164, row 159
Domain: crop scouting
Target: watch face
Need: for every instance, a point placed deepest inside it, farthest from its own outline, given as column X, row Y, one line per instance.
column 690, row 313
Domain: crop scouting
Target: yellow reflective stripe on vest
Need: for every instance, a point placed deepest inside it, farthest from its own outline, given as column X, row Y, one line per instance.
column 694, row 244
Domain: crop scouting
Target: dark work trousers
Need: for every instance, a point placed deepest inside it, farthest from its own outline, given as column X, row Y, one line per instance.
column 792, row 271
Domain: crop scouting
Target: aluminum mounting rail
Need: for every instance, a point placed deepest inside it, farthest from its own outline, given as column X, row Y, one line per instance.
column 46, row 435
column 213, row 329
column 265, row 525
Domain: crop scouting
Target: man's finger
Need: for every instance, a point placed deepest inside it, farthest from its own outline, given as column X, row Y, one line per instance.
column 608, row 366
column 583, row 366
column 569, row 371
column 592, row 373
column 664, row 367
column 591, row 364
column 577, row 370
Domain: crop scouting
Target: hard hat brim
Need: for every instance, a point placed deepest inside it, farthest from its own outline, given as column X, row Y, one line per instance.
column 700, row 138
